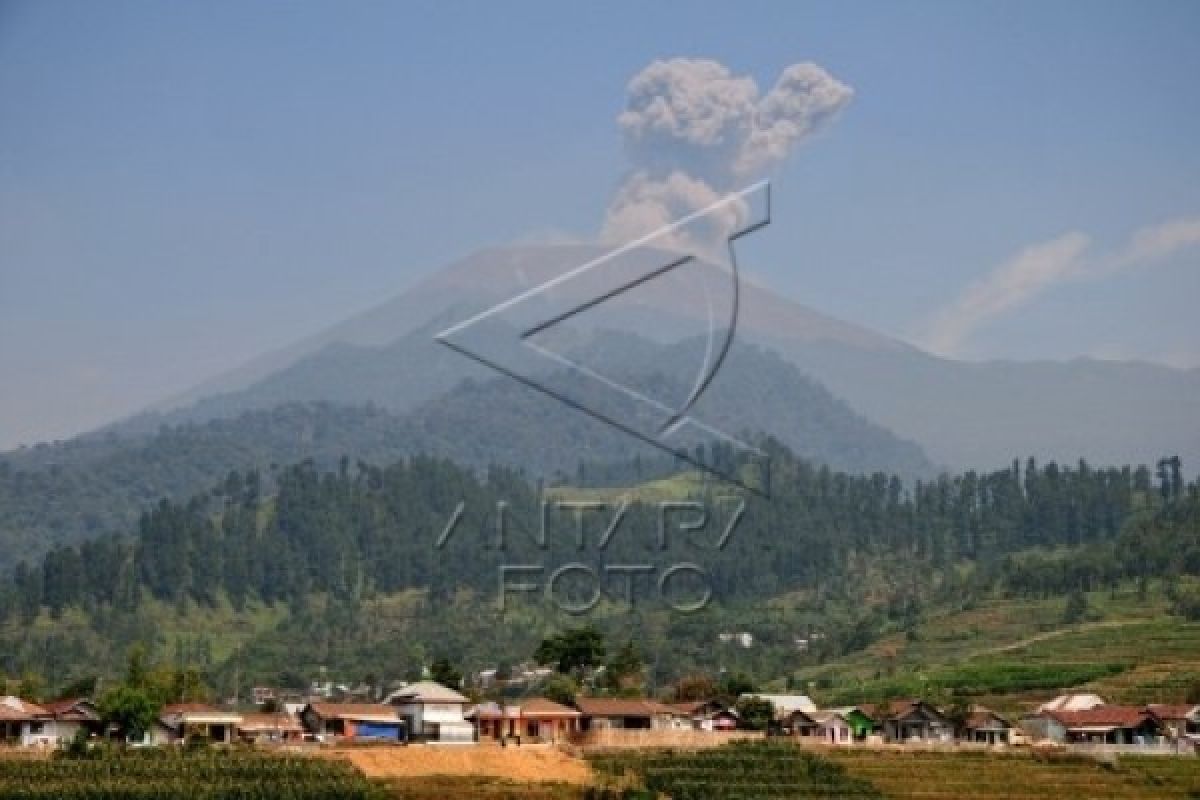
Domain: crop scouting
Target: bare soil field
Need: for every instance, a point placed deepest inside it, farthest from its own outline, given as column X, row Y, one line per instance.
column 525, row 764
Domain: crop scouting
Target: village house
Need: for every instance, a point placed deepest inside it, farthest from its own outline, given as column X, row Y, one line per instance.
column 1178, row 721
column 911, row 721
column 793, row 712
column 494, row 721
column 198, row 720
column 270, row 727
column 832, row 728
column 535, row 719
column 983, row 726
column 629, row 713
column 708, row 715
column 23, row 723
column 433, row 712
column 65, row 718
column 519, row 676
column 354, row 721
column 1106, row 724
column 797, row 723
column 159, row 735
column 861, row 723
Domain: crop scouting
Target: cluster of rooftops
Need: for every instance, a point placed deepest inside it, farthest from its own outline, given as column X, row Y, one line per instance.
column 430, row 712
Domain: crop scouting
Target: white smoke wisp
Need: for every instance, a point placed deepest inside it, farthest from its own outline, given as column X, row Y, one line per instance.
column 694, row 132
column 1041, row 267
column 1008, row 286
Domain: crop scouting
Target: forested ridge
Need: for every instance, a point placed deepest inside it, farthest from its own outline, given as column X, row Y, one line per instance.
column 324, row 544
column 65, row 492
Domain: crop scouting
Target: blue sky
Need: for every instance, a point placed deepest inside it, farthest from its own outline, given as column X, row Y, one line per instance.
column 183, row 187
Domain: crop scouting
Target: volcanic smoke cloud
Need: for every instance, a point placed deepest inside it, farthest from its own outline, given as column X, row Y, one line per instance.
column 694, row 131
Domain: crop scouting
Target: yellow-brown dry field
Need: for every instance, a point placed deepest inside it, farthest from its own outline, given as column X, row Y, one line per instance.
column 536, row 763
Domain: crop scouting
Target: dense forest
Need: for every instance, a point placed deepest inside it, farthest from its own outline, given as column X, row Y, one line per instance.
column 328, row 547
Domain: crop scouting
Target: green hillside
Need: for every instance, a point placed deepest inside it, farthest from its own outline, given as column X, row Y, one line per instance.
column 998, row 588
column 1010, row 654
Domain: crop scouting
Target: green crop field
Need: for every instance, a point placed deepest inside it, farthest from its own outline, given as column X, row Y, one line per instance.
column 780, row 769
column 170, row 775
column 1020, row 776
column 441, row 787
column 737, row 771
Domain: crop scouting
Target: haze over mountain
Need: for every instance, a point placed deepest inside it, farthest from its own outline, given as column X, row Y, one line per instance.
column 964, row 414
column 100, row 483
column 380, row 386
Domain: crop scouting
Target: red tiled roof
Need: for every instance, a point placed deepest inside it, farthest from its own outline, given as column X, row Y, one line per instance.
column 59, row 706
column 1102, row 716
column 622, row 707
column 74, row 709
column 541, row 707
column 1166, row 711
column 14, row 709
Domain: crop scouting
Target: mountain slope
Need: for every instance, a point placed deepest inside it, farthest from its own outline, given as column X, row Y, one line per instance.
column 965, row 415
column 100, row 483
column 475, row 283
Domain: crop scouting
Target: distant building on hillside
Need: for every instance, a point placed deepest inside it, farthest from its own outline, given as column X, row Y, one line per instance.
column 743, row 639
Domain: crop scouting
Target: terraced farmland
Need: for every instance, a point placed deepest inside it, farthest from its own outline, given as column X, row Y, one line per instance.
column 1020, row 776
column 739, row 771
column 1012, row 654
